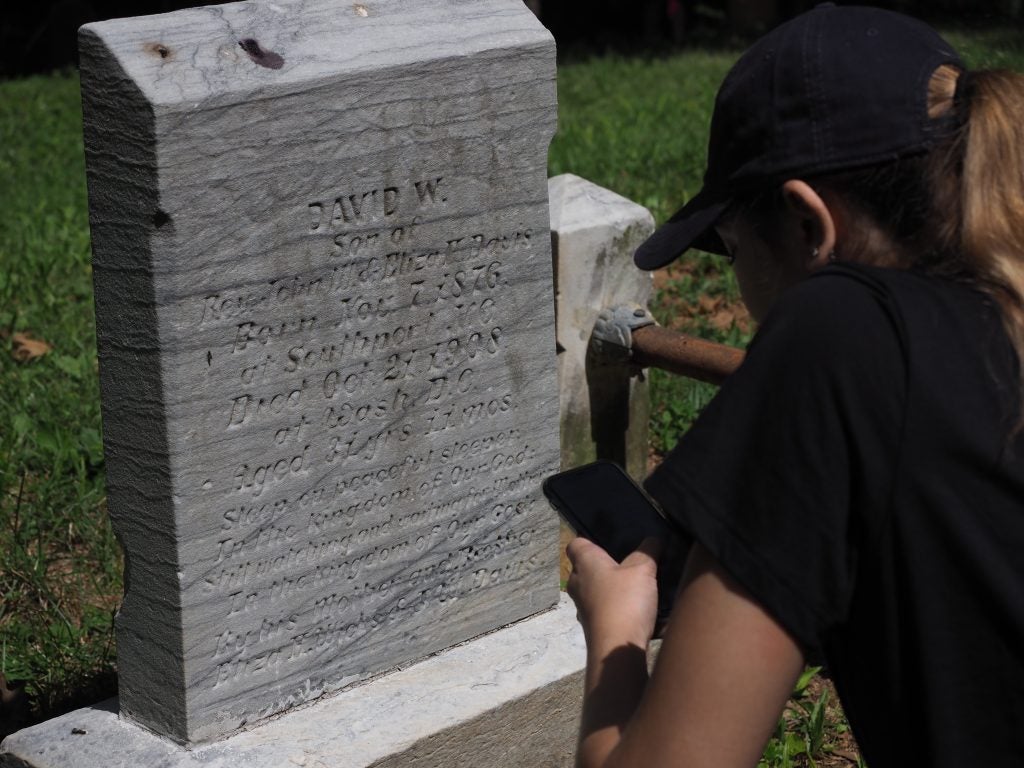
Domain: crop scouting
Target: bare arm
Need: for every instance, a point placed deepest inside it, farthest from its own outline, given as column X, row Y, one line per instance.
column 723, row 676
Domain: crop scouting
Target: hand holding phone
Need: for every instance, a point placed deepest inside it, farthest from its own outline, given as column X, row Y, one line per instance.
column 615, row 602
column 602, row 503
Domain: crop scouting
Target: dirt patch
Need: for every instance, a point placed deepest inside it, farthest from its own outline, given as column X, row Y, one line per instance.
column 694, row 297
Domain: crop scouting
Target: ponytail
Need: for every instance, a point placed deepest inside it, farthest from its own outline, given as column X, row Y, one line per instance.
column 982, row 217
column 957, row 211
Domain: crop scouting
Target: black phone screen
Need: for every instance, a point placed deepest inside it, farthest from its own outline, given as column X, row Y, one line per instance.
column 602, row 503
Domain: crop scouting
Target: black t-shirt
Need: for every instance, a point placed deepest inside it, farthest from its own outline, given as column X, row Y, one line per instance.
column 858, row 475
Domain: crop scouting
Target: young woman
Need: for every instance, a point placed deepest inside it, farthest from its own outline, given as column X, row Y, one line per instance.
column 856, row 489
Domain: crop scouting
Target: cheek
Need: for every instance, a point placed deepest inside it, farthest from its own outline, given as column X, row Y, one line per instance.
column 764, row 276
column 753, row 294
column 759, row 284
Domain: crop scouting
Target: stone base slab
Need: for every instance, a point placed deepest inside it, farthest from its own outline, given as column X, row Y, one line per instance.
column 510, row 698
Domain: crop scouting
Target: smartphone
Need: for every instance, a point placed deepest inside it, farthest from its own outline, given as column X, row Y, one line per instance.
column 602, row 503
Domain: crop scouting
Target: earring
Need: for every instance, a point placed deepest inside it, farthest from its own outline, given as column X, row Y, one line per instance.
column 816, row 252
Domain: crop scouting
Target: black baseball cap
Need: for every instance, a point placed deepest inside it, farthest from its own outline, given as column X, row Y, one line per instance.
column 835, row 88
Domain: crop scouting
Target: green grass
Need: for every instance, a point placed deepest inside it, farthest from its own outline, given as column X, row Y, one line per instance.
column 638, row 126
column 812, row 730
column 62, row 570
column 634, row 125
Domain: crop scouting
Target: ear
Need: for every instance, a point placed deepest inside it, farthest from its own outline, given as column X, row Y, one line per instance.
column 816, row 221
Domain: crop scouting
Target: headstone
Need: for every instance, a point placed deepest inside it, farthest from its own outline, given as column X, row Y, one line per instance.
column 604, row 408
column 323, row 292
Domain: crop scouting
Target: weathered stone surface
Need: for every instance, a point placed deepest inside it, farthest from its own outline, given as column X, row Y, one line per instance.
column 323, row 290
column 594, row 233
column 510, row 699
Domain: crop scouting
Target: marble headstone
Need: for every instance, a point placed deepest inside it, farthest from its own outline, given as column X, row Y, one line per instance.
column 325, row 320
column 604, row 408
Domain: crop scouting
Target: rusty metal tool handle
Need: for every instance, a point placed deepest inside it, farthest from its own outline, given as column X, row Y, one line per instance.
column 656, row 347
column 628, row 334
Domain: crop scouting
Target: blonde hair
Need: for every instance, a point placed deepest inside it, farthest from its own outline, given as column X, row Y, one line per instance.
column 977, row 184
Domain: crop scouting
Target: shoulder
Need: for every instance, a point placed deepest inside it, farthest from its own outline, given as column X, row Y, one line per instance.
column 840, row 296
column 839, row 313
column 796, row 447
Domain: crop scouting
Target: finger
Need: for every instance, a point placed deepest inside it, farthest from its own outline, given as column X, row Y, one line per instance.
column 653, row 546
column 577, row 548
column 647, row 553
column 572, row 587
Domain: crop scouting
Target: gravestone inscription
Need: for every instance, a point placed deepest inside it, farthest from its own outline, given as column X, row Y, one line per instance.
column 324, row 304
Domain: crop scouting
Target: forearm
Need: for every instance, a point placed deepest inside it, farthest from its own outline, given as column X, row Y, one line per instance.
column 618, row 606
column 724, row 671
column 615, row 679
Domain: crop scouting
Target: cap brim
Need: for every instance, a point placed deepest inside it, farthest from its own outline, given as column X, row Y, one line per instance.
column 692, row 226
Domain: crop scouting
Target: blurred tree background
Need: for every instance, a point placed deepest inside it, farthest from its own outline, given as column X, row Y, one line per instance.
column 41, row 36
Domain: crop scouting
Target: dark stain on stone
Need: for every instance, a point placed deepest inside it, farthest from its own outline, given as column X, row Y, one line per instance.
column 159, row 49
column 161, row 218
column 267, row 59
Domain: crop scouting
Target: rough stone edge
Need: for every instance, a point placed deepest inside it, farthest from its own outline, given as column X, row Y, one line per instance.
column 457, row 708
column 119, row 134
column 528, row 33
